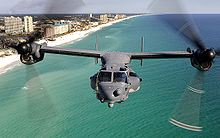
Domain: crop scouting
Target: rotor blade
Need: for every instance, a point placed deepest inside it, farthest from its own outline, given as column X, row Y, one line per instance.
column 187, row 112
column 217, row 52
column 40, row 106
column 177, row 19
column 46, row 6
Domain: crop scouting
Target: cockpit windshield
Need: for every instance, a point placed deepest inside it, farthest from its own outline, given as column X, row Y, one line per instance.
column 105, row 76
column 120, row 77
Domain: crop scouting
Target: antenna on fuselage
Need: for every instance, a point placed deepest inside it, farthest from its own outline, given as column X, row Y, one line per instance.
column 142, row 48
column 96, row 46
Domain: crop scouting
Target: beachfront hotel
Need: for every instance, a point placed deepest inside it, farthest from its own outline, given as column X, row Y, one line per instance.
column 53, row 30
column 28, row 24
column 53, row 27
column 13, row 25
column 104, row 18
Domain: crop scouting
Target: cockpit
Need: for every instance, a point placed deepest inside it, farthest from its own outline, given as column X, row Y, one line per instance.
column 107, row 76
column 119, row 77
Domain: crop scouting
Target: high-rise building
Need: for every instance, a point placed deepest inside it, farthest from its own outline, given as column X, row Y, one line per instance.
column 13, row 25
column 116, row 16
column 49, row 32
column 104, row 18
column 90, row 15
column 28, row 24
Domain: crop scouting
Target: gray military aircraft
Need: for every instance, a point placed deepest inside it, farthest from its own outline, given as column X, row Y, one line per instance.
column 116, row 80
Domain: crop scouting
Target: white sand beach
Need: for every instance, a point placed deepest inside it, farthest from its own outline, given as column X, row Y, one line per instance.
column 75, row 36
column 8, row 61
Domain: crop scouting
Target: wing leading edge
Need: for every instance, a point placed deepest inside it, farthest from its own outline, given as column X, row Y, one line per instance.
column 99, row 54
column 169, row 54
column 70, row 51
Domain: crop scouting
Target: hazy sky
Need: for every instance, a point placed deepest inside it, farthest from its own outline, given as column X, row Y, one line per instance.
column 100, row 6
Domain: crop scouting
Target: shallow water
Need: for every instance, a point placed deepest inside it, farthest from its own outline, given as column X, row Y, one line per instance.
column 53, row 98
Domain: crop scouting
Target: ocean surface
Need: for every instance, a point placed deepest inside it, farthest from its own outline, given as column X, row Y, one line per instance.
column 53, row 98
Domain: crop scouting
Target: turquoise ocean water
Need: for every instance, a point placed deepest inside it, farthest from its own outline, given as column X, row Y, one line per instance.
column 55, row 99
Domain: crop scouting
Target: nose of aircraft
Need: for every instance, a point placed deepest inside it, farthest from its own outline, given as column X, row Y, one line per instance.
column 113, row 92
column 109, row 92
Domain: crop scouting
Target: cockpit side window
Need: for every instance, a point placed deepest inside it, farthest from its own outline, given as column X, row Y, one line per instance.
column 120, row 77
column 105, row 76
column 133, row 74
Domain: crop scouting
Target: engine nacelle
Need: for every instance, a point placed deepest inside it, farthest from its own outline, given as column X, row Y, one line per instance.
column 202, row 59
column 93, row 81
column 31, row 54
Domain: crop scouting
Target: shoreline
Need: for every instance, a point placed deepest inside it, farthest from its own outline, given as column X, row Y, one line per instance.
column 76, row 36
column 7, row 62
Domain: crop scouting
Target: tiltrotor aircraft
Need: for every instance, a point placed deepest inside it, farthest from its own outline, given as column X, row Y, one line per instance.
column 116, row 80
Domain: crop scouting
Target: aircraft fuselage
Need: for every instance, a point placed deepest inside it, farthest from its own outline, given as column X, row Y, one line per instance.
column 115, row 80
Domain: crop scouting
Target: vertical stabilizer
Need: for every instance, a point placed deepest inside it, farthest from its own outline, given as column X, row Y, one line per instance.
column 142, row 48
column 96, row 60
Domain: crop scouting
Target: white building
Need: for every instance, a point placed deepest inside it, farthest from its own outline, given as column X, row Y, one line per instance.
column 90, row 15
column 52, row 31
column 13, row 25
column 93, row 24
column 60, row 29
column 28, row 24
column 104, row 18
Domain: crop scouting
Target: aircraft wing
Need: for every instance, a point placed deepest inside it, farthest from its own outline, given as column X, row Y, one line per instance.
column 151, row 55
column 70, row 51
column 99, row 54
